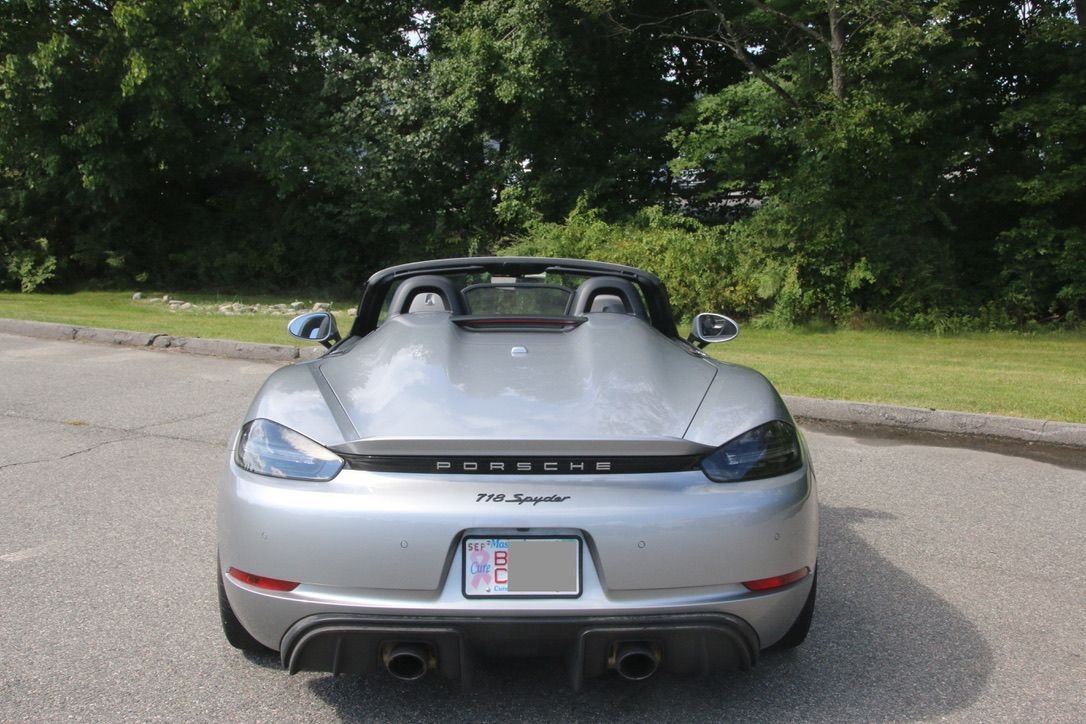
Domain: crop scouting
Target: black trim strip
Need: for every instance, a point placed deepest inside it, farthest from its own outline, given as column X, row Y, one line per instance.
column 521, row 464
column 498, row 322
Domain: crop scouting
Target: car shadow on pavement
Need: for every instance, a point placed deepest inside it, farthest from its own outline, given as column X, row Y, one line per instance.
column 883, row 647
column 269, row 660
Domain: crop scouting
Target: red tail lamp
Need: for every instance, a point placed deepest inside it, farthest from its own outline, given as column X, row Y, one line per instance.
column 270, row 584
column 768, row 584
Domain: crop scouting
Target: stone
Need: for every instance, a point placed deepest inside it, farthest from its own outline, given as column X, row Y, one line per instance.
column 137, row 296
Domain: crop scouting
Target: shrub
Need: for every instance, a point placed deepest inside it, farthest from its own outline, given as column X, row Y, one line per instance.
column 31, row 266
column 696, row 262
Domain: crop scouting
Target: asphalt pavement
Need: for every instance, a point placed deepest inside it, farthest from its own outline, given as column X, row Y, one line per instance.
column 951, row 579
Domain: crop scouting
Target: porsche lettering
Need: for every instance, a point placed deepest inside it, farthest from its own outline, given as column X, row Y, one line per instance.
column 523, row 466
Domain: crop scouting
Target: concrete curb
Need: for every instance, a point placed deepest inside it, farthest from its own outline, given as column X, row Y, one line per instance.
column 192, row 345
column 864, row 414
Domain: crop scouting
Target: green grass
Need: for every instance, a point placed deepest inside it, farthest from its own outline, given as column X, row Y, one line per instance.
column 1037, row 375
column 1040, row 375
column 116, row 310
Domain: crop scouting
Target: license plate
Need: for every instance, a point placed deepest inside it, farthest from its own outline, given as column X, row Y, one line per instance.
column 525, row 566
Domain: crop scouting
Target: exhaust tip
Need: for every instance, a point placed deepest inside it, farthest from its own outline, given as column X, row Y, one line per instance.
column 636, row 661
column 408, row 662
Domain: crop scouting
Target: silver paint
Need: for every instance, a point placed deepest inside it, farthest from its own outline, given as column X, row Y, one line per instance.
column 653, row 543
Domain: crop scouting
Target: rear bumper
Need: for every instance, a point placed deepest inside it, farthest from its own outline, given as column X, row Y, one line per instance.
column 357, row 644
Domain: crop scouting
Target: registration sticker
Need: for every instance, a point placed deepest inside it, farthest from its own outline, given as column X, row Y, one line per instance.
column 522, row 566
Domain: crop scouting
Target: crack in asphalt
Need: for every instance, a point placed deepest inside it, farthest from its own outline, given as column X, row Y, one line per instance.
column 67, row 455
column 190, row 418
column 129, row 434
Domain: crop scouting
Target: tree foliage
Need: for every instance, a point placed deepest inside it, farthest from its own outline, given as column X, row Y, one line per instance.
column 920, row 160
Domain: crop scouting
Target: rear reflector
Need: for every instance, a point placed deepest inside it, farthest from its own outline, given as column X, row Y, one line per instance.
column 271, row 584
column 768, row 584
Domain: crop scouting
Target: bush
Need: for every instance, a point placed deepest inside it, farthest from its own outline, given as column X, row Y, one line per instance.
column 696, row 262
column 31, row 266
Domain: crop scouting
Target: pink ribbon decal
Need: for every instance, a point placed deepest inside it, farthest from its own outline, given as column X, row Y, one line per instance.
column 479, row 561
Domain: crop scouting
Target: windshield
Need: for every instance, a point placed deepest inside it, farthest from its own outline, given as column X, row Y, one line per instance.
column 517, row 298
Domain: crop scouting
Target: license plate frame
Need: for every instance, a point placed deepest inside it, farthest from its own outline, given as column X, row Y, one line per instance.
column 479, row 550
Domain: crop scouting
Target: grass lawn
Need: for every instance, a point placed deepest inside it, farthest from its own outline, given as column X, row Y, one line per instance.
column 1041, row 376
column 116, row 310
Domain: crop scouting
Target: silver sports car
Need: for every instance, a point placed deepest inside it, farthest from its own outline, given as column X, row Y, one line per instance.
column 516, row 456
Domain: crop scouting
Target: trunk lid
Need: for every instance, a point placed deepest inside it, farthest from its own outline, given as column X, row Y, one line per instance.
column 611, row 378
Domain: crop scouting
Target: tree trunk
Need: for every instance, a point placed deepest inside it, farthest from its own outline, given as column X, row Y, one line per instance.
column 837, row 49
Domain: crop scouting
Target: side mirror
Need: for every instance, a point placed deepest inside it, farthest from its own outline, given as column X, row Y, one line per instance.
column 708, row 328
column 315, row 327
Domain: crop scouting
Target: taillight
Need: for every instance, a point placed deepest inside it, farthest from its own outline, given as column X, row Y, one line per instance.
column 768, row 584
column 766, row 451
column 271, row 584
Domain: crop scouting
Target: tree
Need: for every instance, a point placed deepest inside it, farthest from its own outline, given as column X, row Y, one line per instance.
column 559, row 103
column 172, row 141
column 1044, row 251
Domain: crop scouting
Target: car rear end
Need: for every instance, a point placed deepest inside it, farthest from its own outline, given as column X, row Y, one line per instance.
column 425, row 570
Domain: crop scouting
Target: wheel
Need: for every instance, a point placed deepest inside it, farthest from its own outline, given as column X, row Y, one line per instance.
column 236, row 634
column 798, row 632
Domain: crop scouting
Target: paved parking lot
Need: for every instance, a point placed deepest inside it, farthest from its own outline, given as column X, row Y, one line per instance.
column 952, row 581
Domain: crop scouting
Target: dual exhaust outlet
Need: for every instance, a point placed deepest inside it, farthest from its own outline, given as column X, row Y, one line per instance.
column 632, row 660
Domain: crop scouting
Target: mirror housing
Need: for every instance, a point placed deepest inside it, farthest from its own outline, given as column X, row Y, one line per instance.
column 708, row 328
column 315, row 327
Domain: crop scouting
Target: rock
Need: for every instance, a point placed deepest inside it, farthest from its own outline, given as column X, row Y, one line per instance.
column 352, row 312
column 165, row 297
column 321, row 306
column 296, row 305
column 225, row 307
column 186, row 307
column 137, row 296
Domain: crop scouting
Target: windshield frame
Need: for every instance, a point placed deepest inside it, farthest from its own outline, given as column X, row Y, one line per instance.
column 377, row 288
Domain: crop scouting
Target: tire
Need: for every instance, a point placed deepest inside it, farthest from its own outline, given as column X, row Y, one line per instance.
column 235, row 633
column 797, row 634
